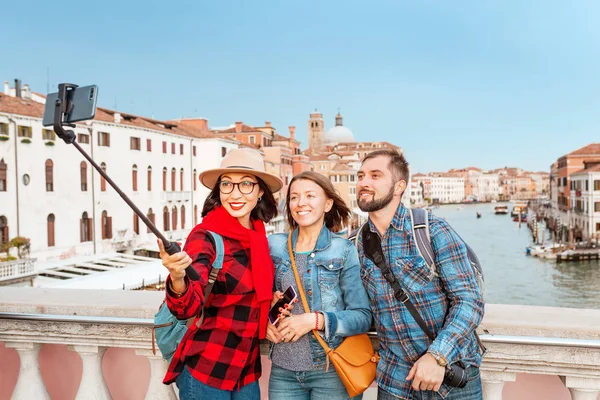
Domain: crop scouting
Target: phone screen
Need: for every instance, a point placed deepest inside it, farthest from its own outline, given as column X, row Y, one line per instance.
column 288, row 296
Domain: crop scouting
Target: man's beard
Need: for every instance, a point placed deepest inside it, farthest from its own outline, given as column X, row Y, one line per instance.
column 376, row 204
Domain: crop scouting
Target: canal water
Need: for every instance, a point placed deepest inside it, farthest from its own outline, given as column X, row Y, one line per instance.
column 511, row 276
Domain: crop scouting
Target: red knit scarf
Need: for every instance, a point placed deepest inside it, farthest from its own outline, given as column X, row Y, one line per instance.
column 261, row 265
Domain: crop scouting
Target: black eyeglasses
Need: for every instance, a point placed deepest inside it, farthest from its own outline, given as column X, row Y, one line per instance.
column 245, row 187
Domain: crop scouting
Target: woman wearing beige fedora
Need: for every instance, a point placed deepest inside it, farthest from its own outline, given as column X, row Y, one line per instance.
column 220, row 359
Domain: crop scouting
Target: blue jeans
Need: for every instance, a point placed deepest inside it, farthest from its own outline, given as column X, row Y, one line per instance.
column 472, row 391
column 192, row 389
column 307, row 385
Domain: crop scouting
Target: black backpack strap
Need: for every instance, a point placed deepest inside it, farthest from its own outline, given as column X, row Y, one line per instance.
column 372, row 249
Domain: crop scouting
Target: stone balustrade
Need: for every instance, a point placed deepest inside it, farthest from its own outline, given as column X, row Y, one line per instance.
column 17, row 269
column 520, row 339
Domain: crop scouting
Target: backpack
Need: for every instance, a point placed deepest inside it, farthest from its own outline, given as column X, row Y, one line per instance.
column 420, row 229
column 168, row 330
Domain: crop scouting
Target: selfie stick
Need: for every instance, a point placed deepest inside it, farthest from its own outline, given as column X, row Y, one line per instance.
column 62, row 107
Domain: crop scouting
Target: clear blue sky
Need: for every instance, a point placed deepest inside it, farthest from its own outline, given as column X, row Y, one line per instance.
column 455, row 83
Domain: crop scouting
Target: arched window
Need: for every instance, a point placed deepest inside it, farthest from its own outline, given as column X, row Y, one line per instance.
column 85, row 228
column 164, row 179
column 182, row 217
column 173, row 179
column 166, row 219
column 134, row 177
column 50, row 224
column 83, row 172
column 106, row 226
column 152, row 218
column 102, row 180
column 195, row 215
column 3, row 231
column 195, row 180
column 149, row 179
column 174, row 218
column 3, row 169
column 136, row 223
column 181, row 180
column 49, row 176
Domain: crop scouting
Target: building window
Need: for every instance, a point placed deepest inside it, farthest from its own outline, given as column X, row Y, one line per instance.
column 181, row 180
column 102, row 180
column 353, row 190
column 164, row 147
column 49, row 176
column 195, row 180
column 85, row 228
column 174, row 218
column 172, row 148
column 148, row 144
column 136, row 224
column 3, row 174
column 152, row 219
column 181, row 149
column 3, row 129
column 24, row 131
column 173, row 179
column 251, row 139
column 104, row 139
column 3, row 231
column 48, row 134
column 165, row 179
column 596, row 182
column 134, row 177
column 597, row 206
column 194, row 151
column 83, row 173
column 352, row 178
column 50, row 224
column 223, row 151
column 195, row 215
column 149, row 179
column 182, row 217
column 166, row 219
column 83, row 138
column 323, row 167
column 106, row 226
column 135, row 143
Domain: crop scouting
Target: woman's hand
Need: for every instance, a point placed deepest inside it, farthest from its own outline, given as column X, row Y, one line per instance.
column 294, row 327
column 176, row 264
column 273, row 334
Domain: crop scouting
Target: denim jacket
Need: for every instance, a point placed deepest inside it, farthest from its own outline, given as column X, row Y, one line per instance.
column 335, row 289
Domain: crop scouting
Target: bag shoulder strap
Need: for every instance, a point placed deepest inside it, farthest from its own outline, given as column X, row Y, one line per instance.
column 420, row 230
column 216, row 266
column 303, row 296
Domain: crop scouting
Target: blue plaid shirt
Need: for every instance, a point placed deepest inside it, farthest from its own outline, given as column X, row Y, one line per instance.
column 448, row 299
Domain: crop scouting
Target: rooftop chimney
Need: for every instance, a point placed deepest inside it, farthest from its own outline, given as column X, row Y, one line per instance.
column 292, row 132
column 26, row 92
column 238, row 127
column 117, row 118
column 17, row 88
column 267, row 124
column 6, row 88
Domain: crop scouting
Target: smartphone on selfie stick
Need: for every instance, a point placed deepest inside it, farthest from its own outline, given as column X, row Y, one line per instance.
column 288, row 298
column 73, row 103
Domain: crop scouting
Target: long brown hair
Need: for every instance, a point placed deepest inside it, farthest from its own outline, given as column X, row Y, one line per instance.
column 337, row 217
column 265, row 209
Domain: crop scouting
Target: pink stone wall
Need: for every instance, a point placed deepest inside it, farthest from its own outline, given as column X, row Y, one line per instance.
column 127, row 376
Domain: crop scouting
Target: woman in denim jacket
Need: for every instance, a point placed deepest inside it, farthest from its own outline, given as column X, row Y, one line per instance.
column 329, row 269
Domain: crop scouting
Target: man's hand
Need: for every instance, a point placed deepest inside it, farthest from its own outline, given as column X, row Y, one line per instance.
column 426, row 374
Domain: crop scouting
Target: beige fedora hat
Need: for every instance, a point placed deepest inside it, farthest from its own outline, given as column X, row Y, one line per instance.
column 242, row 160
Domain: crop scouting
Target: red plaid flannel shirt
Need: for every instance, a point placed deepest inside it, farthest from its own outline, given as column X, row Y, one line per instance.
column 224, row 352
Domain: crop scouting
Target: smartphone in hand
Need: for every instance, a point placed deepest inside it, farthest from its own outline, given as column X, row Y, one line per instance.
column 288, row 298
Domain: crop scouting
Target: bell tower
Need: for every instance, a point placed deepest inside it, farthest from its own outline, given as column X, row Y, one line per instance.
column 316, row 131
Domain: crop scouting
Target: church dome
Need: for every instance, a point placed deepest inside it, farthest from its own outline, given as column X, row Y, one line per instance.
column 339, row 133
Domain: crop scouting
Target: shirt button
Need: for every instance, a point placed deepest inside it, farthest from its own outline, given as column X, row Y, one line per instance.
column 330, row 266
column 310, row 292
column 308, row 271
column 312, row 254
column 318, row 360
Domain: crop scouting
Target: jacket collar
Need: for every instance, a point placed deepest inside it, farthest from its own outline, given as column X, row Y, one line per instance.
column 323, row 241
